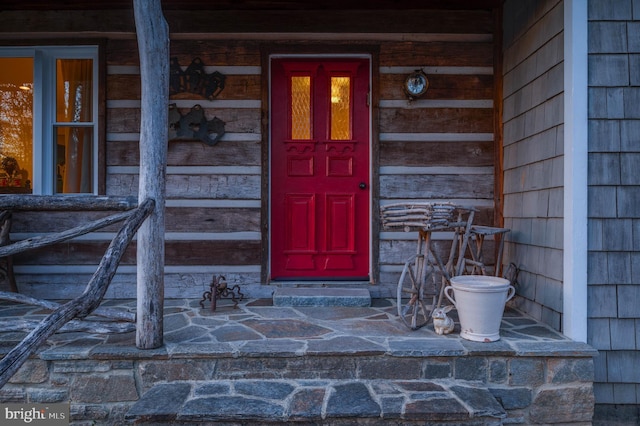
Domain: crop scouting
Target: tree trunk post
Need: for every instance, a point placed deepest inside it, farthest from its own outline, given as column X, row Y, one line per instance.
column 153, row 46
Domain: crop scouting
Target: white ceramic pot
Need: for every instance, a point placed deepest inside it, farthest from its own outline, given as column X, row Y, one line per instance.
column 480, row 302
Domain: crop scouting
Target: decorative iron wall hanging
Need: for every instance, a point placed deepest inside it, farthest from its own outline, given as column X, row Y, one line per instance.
column 194, row 125
column 194, row 79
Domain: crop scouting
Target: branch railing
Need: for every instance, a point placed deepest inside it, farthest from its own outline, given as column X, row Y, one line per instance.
column 88, row 302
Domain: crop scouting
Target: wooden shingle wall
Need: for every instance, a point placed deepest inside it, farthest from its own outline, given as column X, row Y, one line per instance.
column 533, row 153
column 440, row 147
column 614, row 200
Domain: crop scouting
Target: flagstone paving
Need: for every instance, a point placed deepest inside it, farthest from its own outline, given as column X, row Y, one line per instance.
column 307, row 363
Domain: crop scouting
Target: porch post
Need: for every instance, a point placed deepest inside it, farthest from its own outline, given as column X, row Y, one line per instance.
column 153, row 46
column 575, row 170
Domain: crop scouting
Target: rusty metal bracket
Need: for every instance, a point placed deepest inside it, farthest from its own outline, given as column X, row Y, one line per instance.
column 219, row 289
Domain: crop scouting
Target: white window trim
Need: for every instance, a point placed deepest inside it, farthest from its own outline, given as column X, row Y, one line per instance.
column 44, row 84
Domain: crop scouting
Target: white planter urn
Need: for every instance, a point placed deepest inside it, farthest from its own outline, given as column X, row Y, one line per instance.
column 480, row 302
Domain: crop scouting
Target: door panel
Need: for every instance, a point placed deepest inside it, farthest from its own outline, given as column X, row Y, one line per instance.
column 320, row 169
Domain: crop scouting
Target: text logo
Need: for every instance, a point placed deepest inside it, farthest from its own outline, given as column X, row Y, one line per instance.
column 35, row 414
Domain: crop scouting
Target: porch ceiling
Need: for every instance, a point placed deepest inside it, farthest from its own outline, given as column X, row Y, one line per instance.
column 254, row 4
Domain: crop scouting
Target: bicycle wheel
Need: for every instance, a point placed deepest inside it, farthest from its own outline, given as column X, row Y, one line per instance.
column 410, row 298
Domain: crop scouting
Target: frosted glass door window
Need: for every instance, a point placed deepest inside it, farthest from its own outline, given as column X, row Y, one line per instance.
column 340, row 108
column 301, row 107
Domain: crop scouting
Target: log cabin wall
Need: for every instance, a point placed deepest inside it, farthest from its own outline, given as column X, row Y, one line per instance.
column 439, row 147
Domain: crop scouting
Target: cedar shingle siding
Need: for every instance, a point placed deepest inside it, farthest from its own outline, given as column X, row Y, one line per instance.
column 614, row 197
column 533, row 153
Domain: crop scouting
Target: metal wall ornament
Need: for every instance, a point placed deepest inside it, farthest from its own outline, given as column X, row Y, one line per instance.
column 416, row 84
column 194, row 125
column 194, row 79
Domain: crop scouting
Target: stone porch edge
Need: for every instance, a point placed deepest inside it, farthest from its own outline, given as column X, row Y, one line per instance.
column 428, row 347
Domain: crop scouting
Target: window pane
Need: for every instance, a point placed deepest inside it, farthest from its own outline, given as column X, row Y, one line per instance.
column 340, row 108
column 16, row 125
column 74, row 160
column 301, row 107
column 74, row 145
column 73, row 90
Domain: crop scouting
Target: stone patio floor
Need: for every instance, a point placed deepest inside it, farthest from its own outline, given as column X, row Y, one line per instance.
column 257, row 329
column 302, row 330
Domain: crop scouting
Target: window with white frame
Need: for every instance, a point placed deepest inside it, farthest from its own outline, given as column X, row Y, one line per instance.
column 48, row 120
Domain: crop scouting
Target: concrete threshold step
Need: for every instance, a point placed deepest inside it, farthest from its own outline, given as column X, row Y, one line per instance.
column 335, row 402
column 321, row 296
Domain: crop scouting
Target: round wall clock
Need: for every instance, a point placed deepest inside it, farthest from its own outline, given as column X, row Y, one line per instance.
column 416, row 84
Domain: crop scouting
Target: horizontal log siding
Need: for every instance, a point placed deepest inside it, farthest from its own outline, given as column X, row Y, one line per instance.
column 213, row 217
column 181, row 253
column 183, row 219
column 126, row 153
column 439, row 147
column 213, row 191
column 127, row 86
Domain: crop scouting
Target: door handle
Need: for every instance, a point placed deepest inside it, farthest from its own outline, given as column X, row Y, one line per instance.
column 363, row 185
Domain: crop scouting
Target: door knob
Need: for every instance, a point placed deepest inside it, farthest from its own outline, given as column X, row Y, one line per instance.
column 362, row 185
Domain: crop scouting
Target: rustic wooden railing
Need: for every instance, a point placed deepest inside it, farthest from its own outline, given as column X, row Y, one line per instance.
column 6, row 263
column 63, row 315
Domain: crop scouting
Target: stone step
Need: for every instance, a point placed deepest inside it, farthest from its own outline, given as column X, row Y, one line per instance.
column 335, row 402
column 322, row 296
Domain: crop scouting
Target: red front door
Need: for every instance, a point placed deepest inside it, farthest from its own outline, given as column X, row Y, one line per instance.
column 320, row 169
